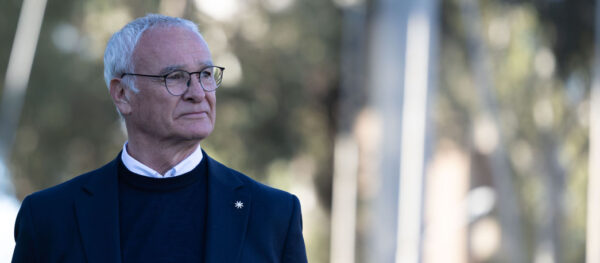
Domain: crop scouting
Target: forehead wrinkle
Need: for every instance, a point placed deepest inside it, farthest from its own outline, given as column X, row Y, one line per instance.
column 204, row 64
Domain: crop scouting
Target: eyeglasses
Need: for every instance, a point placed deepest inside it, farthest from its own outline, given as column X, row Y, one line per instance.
column 178, row 82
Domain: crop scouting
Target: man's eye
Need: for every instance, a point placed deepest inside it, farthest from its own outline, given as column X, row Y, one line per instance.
column 176, row 76
column 206, row 74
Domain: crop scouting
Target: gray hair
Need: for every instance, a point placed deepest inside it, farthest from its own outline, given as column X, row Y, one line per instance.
column 120, row 47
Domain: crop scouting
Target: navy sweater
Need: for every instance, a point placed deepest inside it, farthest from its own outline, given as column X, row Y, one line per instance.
column 162, row 220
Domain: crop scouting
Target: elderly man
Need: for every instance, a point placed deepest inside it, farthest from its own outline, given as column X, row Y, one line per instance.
column 162, row 199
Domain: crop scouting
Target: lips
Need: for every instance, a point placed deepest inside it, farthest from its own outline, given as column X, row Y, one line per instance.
column 194, row 115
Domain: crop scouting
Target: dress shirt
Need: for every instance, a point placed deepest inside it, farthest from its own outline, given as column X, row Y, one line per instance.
column 182, row 167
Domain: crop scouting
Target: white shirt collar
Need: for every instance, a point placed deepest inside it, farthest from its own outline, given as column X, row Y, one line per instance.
column 182, row 167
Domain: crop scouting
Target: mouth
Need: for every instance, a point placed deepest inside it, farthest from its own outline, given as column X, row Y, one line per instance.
column 194, row 115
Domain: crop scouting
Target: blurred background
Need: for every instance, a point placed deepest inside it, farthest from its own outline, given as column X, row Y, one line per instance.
column 411, row 131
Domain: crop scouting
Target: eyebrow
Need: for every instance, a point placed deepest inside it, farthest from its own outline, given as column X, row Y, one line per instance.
column 171, row 68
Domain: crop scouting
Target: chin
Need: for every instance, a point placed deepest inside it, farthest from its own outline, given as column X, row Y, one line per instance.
column 197, row 134
column 194, row 130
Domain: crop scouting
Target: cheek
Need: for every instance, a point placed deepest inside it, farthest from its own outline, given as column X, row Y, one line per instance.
column 211, row 96
column 211, row 99
column 153, row 110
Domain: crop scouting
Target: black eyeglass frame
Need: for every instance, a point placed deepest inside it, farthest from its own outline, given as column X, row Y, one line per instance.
column 164, row 77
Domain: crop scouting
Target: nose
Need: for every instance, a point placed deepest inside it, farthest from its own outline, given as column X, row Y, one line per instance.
column 195, row 92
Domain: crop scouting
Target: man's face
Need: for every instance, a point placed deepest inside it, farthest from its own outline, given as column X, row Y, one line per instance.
column 156, row 114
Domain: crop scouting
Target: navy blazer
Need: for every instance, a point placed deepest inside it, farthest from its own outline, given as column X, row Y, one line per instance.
column 78, row 221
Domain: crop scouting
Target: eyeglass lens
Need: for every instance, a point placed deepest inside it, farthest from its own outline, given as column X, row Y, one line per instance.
column 178, row 81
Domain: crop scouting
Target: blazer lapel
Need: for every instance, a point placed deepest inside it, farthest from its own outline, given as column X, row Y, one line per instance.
column 97, row 215
column 229, row 204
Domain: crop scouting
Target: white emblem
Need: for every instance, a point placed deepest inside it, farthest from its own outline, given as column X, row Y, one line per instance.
column 239, row 204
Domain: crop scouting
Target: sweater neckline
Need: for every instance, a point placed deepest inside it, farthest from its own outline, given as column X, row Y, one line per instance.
column 161, row 184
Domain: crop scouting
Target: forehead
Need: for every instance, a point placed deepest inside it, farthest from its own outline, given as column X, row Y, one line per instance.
column 163, row 47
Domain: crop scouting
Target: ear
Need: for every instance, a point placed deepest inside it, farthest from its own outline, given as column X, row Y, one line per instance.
column 118, row 93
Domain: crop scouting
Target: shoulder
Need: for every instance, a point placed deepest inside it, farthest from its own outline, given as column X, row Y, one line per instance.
column 59, row 194
column 276, row 199
column 276, row 218
column 262, row 192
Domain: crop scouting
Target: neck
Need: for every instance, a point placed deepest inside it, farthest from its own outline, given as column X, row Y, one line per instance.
column 160, row 156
